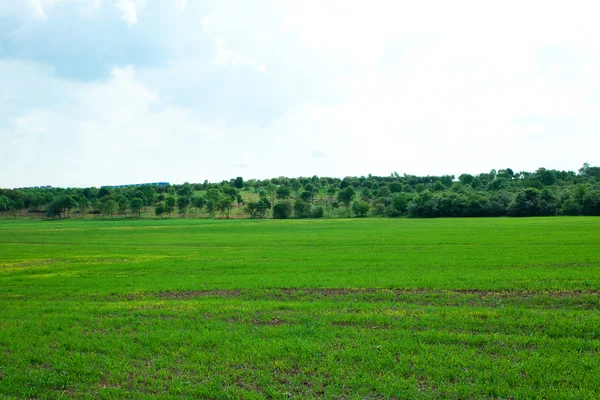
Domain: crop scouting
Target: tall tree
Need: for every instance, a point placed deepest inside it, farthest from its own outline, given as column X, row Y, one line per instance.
column 122, row 204
column 239, row 182
column 346, row 195
column 170, row 204
column 198, row 203
column 109, row 207
column 19, row 205
column 262, row 207
column 331, row 191
column 84, row 205
column 251, row 208
column 136, row 205
column 225, row 205
column 183, row 202
column 159, row 210
column 283, row 193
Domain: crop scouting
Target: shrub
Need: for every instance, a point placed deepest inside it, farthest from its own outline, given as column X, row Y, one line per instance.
column 317, row 212
column 301, row 209
column 360, row 208
column 282, row 210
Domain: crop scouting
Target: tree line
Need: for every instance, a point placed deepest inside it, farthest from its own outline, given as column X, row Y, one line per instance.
column 495, row 193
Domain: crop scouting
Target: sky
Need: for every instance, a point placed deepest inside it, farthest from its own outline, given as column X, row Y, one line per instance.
column 109, row 92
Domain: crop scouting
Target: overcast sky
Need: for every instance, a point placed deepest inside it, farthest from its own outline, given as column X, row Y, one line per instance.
column 100, row 92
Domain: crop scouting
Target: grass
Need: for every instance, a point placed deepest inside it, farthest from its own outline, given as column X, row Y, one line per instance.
column 361, row 308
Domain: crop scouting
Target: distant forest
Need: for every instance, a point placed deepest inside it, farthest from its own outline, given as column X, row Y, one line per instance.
column 495, row 193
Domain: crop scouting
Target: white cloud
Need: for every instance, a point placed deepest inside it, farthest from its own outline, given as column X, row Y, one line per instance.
column 39, row 9
column 426, row 87
column 129, row 10
column 228, row 57
column 113, row 131
column 224, row 56
column 318, row 154
column 180, row 6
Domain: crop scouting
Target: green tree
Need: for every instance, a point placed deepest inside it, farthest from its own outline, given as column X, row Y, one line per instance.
column 239, row 201
column 136, row 205
column 138, row 193
column 498, row 184
column 230, row 191
column 306, row 196
column 212, row 200
column 19, row 204
column 466, row 179
column 183, row 202
column 398, row 204
column 331, row 191
column 295, row 185
column 383, row 192
column 109, row 207
column 301, row 209
column 591, row 203
column 54, row 209
column 366, row 194
column 310, row 189
column 68, row 203
column 251, row 208
column 239, row 182
column 103, row 192
column 422, row 205
column 272, row 189
column 149, row 193
column 527, row 203
column 283, row 193
column 570, row 206
column 360, row 208
column 198, row 203
column 4, row 203
column 438, row 186
column 186, row 190
column 346, row 195
column 262, row 207
column 122, row 204
column 84, row 205
column 546, row 176
column 317, row 212
column 34, row 202
column 225, row 205
column 170, row 204
column 159, row 210
column 579, row 192
column 395, row 187
column 282, row 210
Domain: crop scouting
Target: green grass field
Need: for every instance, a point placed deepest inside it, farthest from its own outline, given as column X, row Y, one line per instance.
column 360, row 308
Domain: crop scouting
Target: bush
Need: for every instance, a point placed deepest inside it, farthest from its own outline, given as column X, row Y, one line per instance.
column 360, row 208
column 282, row 210
column 317, row 212
column 591, row 203
column 390, row 211
column 301, row 209
column 571, row 207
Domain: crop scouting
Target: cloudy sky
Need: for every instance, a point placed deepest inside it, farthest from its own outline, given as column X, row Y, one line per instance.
column 96, row 92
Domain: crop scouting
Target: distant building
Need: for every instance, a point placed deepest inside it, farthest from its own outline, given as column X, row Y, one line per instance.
column 136, row 185
column 33, row 187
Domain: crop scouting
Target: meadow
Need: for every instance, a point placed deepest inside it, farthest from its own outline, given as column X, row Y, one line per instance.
column 331, row 308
